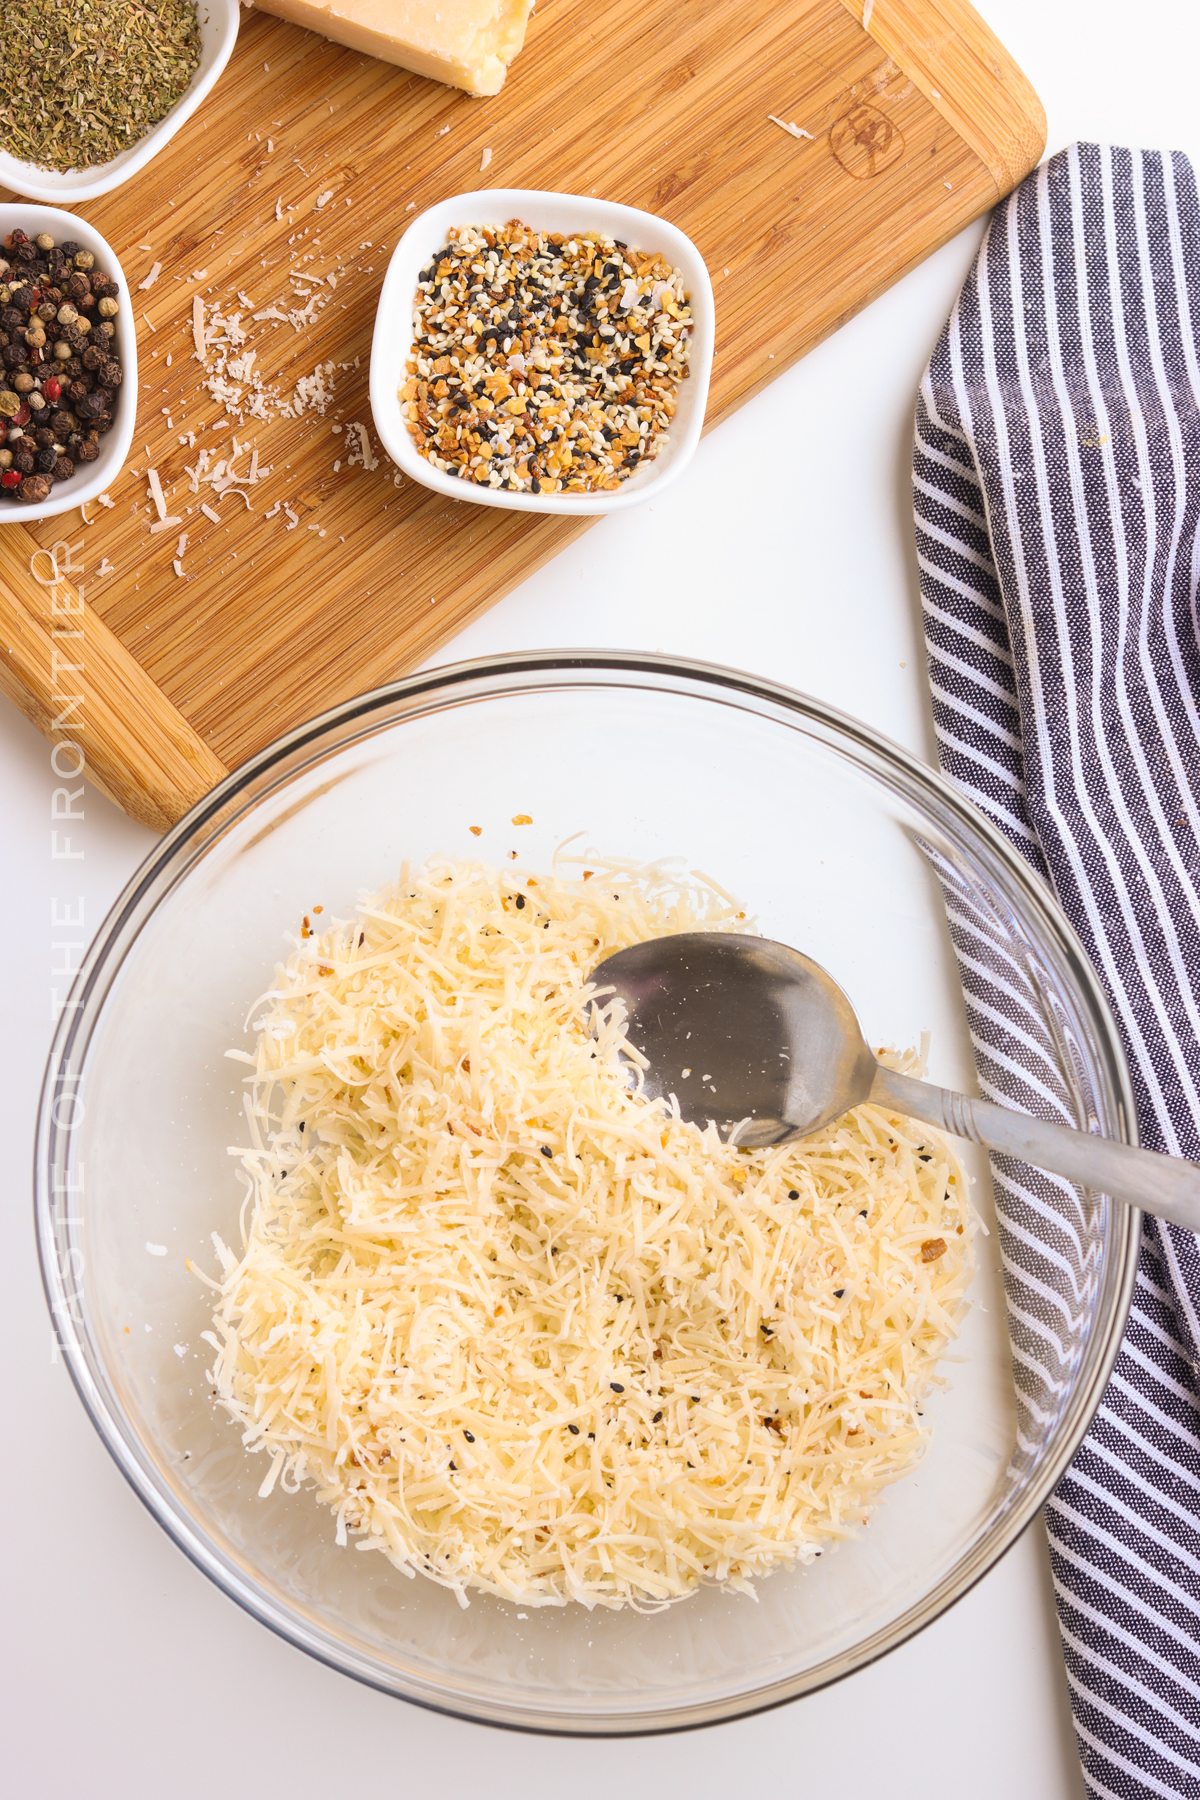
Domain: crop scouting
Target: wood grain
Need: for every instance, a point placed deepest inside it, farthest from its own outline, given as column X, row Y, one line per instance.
column 969, row 76
column 64, row 669
column 918, row 125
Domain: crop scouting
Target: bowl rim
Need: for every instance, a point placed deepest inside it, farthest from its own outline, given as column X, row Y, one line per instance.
column 493, row 677
column 391, row 338
column 115, row 445
column 53, row 186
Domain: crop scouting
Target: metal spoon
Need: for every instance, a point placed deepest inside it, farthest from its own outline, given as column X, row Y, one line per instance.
column 761, row 1040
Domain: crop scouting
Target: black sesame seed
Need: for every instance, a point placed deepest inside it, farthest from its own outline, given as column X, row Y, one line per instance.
column 546, row 1150
column 592, row 1436
column 696, row 1397
column 469, row 1435
column 838, row 1292
column 656, row 1418
column 793, row 1193
column 454, row 1466
column 574, row 1430
column 520, row 902
column 616, row 1387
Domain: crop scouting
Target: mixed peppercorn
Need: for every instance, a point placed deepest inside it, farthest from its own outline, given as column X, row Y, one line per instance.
column 544, row 362
column 61, row 367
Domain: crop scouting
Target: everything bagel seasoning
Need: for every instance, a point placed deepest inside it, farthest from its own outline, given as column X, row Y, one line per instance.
column 543, row 362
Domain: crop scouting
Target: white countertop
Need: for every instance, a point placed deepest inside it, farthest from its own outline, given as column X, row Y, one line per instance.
column 787, row 549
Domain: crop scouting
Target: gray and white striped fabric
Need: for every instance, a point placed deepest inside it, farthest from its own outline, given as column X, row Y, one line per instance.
column 1056, row 479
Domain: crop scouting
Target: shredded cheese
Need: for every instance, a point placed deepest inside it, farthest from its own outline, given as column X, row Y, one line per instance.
column 156, row 493
column 524, row 1329
column 792, row 129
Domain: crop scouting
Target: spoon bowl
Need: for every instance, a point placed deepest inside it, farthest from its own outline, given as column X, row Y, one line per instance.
column 744, row 1032
column 758, row 1039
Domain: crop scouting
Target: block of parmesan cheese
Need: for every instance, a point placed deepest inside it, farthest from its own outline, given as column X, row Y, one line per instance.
column 466, row 43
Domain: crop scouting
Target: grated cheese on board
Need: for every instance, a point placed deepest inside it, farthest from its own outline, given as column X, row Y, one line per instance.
column 522, row 1328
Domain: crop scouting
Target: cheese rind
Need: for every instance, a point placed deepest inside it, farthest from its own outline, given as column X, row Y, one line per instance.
column 466, row 43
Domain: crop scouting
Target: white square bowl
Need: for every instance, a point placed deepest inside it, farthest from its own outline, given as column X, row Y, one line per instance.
column 541, row 210
column 218, row 34
column 92, row 478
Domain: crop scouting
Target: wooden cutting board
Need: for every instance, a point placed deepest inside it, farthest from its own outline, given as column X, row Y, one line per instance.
column 918, row 124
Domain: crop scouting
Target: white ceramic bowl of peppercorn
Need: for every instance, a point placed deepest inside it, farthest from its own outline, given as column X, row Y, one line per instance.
column 218, row 24
column 573, row 216
column 90, row 478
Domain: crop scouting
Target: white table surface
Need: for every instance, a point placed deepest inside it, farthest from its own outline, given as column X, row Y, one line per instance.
column 786, row 549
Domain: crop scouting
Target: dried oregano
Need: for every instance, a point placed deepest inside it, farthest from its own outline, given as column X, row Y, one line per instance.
column 85, row 79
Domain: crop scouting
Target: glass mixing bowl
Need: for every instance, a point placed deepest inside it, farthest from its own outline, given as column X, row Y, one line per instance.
column 843, row 846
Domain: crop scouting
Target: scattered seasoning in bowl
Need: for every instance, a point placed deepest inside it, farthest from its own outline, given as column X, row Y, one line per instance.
column 85, row 79
column 544, row 362
column 60, row 365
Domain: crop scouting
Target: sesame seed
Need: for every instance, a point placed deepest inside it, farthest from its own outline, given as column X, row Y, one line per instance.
column 544, row 365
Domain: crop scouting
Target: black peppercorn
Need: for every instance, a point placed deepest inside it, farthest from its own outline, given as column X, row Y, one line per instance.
column 43, row 436
column 69, row 247
column 45, row 460
column 78, row 285
column 64, row 468
column 111, row 374
column 76, row 337
column 104, row 422
column 93, row 356
column 63, row 424
column 23, row 458
column 14, row 355
column 35, row 489
column 87, row 451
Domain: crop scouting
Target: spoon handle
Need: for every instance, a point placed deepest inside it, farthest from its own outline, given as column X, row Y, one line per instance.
column 1165, row 1185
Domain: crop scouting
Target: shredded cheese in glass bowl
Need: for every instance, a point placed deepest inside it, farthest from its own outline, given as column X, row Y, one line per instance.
column 523, row 1328
column 354, row 1334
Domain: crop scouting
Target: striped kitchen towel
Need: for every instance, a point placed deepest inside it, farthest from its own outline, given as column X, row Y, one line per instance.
column 1056, row 479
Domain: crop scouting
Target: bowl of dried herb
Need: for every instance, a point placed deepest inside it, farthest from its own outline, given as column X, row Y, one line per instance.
column 94, row 88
